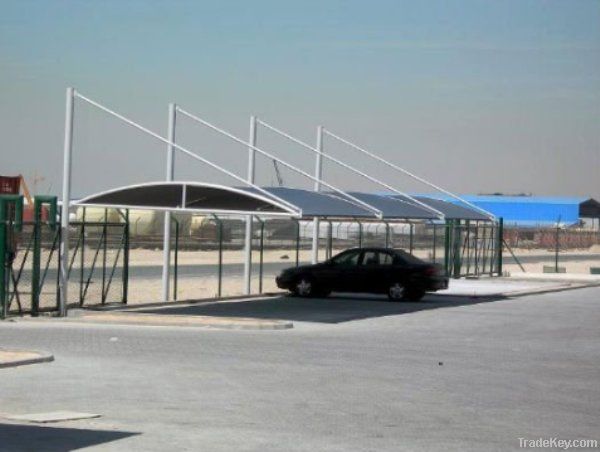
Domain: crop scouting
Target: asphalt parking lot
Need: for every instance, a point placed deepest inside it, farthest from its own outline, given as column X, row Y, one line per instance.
column 353, row 374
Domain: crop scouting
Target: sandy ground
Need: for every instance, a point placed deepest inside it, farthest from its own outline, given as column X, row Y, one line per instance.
column 547, row 258
column 576, row 267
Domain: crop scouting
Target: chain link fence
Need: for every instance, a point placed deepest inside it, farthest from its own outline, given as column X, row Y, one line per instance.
column 24, row 275
column 552, row 250
column 117, row 256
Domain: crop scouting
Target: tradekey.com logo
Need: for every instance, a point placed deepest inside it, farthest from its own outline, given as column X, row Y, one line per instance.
column 557, row 443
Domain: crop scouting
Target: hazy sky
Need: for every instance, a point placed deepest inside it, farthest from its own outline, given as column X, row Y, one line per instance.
column 477, row 96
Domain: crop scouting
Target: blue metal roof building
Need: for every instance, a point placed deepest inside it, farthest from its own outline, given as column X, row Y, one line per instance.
column 532, row 210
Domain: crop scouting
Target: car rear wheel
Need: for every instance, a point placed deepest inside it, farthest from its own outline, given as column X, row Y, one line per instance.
column 396, row 292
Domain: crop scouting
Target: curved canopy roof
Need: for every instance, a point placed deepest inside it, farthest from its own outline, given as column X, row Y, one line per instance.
column 271, row 201
column 189, row 196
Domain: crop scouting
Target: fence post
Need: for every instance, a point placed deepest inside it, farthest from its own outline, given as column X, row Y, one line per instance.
column 6, row 229
column 220, row 256
column 126, row 258
column 82, row 257
column 329, row 239
column 38, row 202
column 104, row 247
column 500, row 242
column 476, row 243
column 410, row 238
column 468, row 244
column 434, row 241
column 176, row 258
column 3, row 285
column 387, row 234
column 297, row 242
column 261, row 255
column 457, row 248
column 360, row 233
column 556, row 245
column 35, row 270
column 492, row 250
column 447, row 241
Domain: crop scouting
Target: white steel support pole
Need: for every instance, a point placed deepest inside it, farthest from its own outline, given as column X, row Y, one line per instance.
column 66, row 201
column 166, row 271
column 318, row 175
column 248, row 235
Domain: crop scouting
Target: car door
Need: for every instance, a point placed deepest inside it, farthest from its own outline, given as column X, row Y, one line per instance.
column 366, row 277
column 342, row 271
column 376, row 266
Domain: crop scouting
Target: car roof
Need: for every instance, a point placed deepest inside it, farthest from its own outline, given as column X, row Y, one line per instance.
column 372, row 248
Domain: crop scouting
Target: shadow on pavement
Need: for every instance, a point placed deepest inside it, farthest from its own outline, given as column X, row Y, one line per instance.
column 26, row 437
column 334, row 309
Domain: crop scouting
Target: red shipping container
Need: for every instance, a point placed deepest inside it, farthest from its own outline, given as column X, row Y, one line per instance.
column 10, row 185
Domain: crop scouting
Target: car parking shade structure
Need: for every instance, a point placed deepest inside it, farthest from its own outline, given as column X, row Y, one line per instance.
column 325, row 201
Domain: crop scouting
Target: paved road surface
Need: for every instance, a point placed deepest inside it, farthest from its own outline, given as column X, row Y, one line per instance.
column 442, row 375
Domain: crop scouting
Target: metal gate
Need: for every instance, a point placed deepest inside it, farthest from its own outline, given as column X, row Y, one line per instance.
column 29, row 256
column 99, row 261
column 473, row 248
column 29, row 259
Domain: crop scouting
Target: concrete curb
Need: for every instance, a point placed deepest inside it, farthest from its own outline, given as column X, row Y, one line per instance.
column 133, row 307
column 524, row 292
column 566, row 280
column 562, row 288
column 42, row 357
column 146, row 319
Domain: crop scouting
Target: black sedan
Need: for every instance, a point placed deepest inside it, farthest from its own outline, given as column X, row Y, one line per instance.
column 366, row 270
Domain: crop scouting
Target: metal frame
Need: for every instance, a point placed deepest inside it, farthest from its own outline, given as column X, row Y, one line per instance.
column 170, row 175
column 248, row 231
column 376, row 212
column 317, row 179
column 320, row 155
column 318, row 176
column 185, row 150
column 408, row 173
column 71, row 95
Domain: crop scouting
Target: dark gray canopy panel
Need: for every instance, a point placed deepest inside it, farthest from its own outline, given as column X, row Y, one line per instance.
column 319, row 204
column 190, row 196
column 453, row 211
column 396, row 208
column 332, row 205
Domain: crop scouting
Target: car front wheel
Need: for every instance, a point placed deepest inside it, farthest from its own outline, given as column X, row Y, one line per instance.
column 304, row 287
